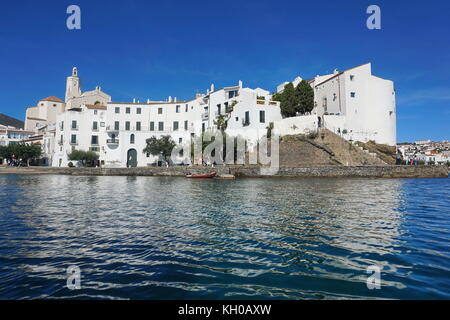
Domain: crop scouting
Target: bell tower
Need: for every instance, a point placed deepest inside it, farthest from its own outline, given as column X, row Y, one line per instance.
column 73, row 87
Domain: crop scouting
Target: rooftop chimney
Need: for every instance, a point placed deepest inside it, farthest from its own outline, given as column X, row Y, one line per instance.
column 240, row 83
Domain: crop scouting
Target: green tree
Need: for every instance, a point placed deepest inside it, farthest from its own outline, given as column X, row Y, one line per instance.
column 21, row 151
column 295, row 100
column 85, row 157
column 305, row 97
column 162, row 146
column 288, row 100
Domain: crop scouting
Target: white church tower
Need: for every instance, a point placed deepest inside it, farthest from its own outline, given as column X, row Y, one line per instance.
column 73, row 86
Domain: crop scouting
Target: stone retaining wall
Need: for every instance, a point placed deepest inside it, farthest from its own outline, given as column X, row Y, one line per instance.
column 250, row 171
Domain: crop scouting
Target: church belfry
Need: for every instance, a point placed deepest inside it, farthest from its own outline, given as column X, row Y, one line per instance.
column 73, row 87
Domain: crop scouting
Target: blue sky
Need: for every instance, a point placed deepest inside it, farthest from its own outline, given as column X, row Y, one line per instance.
column 147, row 49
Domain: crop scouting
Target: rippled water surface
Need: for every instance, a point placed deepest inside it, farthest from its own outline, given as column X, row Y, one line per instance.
column 174, row 238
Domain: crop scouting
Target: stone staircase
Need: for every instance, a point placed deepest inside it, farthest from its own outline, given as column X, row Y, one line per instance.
column 325, row 148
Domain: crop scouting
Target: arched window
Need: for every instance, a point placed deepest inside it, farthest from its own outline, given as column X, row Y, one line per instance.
column 132, row 139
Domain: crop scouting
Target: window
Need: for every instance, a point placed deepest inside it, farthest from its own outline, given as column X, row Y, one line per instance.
column 232, row 94
column 262, row 116
column 132, row 139
column 324, row 104
column 127, row 126
column 180, row 140
column 152, row 126
column 95, row 126
column 159, row 110
column 187, row 108
column 237, row 118
column 94, row 140
column 161, row 126
column 128, row 110
column 117, row 109
column 116, row 125
column 138, row 126
column 95, row 111
column 218, row 109
column 247, row 118
column 177, row 109
column 175, row 125
column 62, row 125
column 352, row 94
column 73, row 139
column 203, row 127
column 352, row 77
column 74, row 124
column 138, row 110
column 185, row 125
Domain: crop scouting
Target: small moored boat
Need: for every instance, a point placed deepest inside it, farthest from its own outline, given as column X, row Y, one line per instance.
column 201, row 176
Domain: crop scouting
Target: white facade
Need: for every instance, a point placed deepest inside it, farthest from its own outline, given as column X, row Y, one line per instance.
column 118, row 131
column 355, row 104
column 10, row 135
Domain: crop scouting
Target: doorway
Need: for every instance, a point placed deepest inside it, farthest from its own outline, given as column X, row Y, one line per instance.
column 132, row 158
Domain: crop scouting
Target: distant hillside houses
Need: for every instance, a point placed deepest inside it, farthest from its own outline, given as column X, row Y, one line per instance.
column 427, row 151
column 11, row 131
column 353, row 103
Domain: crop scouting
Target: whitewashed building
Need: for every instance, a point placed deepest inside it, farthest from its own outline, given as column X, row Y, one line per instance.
column 353, row 103
column 118, row 130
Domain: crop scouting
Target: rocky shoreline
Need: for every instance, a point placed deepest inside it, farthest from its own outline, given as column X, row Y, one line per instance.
column 249, row 171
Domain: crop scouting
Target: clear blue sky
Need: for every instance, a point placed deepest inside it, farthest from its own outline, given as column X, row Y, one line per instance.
column 149, row 49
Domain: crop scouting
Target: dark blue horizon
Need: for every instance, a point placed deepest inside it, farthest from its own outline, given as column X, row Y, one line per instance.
column 140, row 49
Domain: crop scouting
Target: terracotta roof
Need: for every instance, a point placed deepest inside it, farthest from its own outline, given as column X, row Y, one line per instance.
column 38, row 119
column 91, row 106
column 52, row 98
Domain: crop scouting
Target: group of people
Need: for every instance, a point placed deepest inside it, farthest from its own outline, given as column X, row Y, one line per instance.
column 14, row 162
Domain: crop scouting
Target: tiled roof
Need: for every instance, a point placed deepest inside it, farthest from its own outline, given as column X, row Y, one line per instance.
column 53, row 99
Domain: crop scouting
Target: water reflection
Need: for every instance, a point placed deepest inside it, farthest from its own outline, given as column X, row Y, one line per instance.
column 141, row 237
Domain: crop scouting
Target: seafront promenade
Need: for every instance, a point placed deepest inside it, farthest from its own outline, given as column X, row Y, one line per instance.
column 248, row 171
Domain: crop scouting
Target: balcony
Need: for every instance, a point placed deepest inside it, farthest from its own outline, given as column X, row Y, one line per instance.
column 205, row 116
column 74, row 143
column 74, row 128
column 245, row 123
column 112, row 141
column 267, row 103
column 60, row 142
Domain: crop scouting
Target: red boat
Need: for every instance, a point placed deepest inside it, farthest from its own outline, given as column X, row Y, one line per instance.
column 201, row 176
